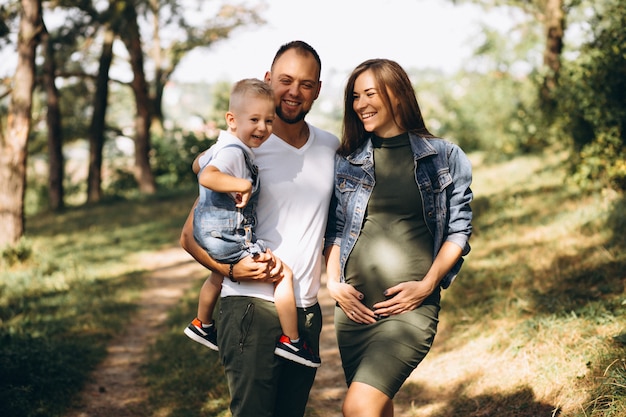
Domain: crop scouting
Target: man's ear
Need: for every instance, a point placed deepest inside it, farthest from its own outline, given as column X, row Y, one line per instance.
column 319, row 88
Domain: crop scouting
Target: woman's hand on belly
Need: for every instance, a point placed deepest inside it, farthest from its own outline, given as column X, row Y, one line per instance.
column 403, row 297
column 349, row 300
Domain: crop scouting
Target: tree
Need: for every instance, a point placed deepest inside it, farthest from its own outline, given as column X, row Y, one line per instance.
column 166, row 56
column 69, row 55
column 592, row 98
column 554, row 28
column 53, row 121
column 13, row 143
column 131, row 37
column 551, row 14
column 98, row 118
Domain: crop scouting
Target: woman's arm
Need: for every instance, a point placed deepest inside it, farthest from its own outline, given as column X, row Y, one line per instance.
column 346, row 296
column 460, row 223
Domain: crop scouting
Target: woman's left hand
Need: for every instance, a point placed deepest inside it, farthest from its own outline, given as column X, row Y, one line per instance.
column 403, row 297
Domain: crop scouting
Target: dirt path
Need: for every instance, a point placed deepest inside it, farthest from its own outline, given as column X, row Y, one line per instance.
column 116, row 387
column 329, row 387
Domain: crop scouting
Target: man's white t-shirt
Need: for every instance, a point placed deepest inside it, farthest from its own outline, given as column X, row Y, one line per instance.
column 296, row 187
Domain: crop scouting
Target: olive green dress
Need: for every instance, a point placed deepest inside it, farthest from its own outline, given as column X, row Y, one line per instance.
column 394, row 246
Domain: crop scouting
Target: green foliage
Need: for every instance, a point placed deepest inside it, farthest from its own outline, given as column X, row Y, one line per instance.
column 50, row 341
column 76, row 109
column 17, row 253
column 173, row 156
column 491, row 105
column 490, row 112
column 120, row 109
column 36, row 195
column 175, row 151
column 221, row 99
column 39, row 376
column 9, row 13
column 602, row 162
column 121, row 183
column 592, row 99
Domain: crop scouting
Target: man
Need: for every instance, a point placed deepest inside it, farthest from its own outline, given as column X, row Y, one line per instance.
column 296, row 168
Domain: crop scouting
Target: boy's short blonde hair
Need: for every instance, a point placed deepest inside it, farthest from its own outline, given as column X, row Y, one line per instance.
column 248, row 87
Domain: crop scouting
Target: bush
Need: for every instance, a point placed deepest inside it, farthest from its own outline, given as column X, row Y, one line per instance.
column 592, row 100
column 173, row 156
column 17, row 253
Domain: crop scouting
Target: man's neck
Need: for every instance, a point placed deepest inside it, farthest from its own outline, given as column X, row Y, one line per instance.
column 296, row 134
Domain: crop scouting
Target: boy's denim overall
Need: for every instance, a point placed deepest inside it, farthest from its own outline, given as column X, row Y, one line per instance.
column 226, row 232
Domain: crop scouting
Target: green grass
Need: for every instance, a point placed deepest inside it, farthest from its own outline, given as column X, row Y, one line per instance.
column 185, row 378
column 71, row 292
column 535, row 325
column 540, row 306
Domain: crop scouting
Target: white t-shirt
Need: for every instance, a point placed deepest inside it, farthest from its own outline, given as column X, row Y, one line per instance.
column 229, row 160
column 296, row 186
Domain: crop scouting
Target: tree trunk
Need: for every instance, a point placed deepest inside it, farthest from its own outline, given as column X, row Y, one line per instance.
column 13, row 144
column 554, row 30
column 98, row 120
column 157, row 104
column 132, row 40
column 156, row 125
column 55, row 139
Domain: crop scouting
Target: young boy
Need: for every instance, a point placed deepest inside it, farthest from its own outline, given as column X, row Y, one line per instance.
column 225, row 215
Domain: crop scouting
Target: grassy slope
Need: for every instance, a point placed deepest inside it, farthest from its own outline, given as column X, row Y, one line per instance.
column 530, row 326
column 533, row 324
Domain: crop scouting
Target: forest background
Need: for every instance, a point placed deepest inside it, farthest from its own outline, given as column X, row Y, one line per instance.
column 73, row 154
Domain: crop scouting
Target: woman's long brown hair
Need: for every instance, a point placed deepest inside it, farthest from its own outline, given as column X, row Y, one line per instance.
column 390, row 77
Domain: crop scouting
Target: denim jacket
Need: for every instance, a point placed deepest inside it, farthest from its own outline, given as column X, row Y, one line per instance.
column 443, row 175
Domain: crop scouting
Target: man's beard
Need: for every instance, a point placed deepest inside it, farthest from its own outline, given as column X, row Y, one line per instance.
column 300, row 116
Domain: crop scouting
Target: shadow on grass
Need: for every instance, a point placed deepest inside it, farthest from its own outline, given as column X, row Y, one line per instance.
column 617, row 223
column 114, row 213
column 586, row 286
column 520, row 403
column 112, row 230
column 571, row 283
column 533, row 208
column 50, row 342
column 587, row 291
column 59, row 308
